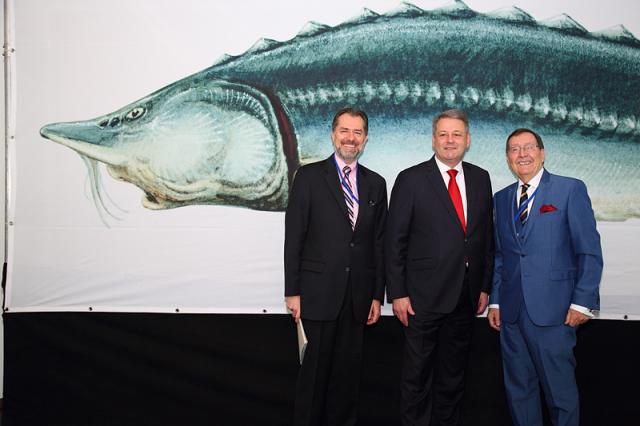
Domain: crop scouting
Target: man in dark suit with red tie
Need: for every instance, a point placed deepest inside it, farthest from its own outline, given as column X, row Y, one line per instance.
column 439, row 251
column 334, row 270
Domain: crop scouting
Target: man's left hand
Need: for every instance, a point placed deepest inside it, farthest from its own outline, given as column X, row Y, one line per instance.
column 575, row 318
column 482, row 302
column 374, row 312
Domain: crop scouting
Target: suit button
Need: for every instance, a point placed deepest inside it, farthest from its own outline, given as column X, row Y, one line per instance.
column 347, row 269
column 466, row 240
column 352, row 245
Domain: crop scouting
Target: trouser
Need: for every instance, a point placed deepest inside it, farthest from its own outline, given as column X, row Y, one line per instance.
column 435, row 358
column 329, row 378
column 533, row 355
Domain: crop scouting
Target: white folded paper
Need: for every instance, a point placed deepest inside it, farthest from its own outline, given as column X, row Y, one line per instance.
column 302, row 340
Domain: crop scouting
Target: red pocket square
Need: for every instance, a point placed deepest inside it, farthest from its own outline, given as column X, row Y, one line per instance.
column 546, row 208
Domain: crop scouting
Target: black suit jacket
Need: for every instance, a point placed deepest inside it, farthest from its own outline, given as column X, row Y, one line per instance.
column 426, row 248
column 322, row 252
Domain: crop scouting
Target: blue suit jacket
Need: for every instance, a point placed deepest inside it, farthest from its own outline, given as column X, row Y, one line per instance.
column 556, row 259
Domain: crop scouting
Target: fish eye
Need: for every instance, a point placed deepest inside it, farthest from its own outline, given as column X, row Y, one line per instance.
column 135, row 113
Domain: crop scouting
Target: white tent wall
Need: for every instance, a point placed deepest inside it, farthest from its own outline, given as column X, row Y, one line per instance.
column 189, row 52
column 3, row 189
column 74, row 66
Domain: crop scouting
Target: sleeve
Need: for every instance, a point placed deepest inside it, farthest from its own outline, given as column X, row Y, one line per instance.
column 380, row 227
column 295, row 231
column 490, row 243
column 585, row 240
column 494, row 298
column 397, row 237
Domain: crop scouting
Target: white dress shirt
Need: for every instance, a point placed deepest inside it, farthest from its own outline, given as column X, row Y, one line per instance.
column 459, row 180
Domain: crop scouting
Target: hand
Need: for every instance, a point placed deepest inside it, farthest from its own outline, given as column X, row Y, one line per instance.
column 374, row 312
column 482, row 302
column 575, row 318
column 402, row 309
column 494, row 318
column 293, row 305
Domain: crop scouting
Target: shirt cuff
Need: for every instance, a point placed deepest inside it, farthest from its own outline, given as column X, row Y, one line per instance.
column 494, row 306
column 582, row 310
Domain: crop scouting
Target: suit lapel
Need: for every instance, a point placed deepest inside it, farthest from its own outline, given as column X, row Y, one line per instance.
column 363, row 194
column 540, row 199
column 511, row 207
column 435, row 179
column 333, row 181
column 472, row 198
column 335, row 186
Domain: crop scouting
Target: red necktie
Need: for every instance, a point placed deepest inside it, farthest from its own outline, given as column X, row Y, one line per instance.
column 454, row 193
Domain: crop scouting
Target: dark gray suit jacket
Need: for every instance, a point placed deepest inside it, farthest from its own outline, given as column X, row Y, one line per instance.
column 426, row 248
column 322, row 252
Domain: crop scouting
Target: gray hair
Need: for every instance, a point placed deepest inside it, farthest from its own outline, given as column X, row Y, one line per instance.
column 457, row 114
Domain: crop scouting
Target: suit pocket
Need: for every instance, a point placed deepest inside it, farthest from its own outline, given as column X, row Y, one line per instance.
column 423, row 263
column 562, row 274
column 310, row 265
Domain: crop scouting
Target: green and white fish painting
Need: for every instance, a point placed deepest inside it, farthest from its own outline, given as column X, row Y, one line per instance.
column 235, row 133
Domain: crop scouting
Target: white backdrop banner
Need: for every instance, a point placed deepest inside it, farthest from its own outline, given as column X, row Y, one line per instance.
column 155, row 140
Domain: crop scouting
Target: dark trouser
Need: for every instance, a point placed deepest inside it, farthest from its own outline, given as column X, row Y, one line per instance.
column 329, row 378
column 435, row 358
column 533, row 354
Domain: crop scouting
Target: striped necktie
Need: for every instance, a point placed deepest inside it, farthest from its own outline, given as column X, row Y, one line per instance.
column 347, row 190
column 523, row 199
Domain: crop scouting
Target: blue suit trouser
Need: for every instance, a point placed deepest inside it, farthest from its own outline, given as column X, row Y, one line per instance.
column 534, row 355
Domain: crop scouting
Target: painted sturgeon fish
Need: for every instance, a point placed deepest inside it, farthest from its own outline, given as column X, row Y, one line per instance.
column 235, row 133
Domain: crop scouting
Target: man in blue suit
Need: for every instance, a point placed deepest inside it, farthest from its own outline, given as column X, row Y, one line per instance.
column 547, row 273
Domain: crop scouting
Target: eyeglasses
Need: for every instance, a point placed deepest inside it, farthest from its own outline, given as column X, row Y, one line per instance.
column 526, row 149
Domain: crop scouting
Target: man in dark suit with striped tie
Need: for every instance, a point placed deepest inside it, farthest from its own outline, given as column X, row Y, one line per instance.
column 334, row 270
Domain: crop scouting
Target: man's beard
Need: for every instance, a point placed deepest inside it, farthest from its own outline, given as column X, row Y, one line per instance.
column 349, row 156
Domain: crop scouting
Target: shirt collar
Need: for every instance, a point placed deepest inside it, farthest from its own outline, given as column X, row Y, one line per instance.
column 341, row 163
column 444, row 168
column 534, row 182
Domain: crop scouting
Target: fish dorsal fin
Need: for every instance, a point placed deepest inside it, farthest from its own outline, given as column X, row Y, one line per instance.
column 564, row 23
column 225, row 57
column 456, row 8
column 405, row 9
column 367, row 15
column 513, row 13
column 617, row 34
column 262, row 44
column 312, row 28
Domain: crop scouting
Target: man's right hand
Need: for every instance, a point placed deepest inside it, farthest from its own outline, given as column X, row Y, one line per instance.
column 402, row 309
column 494, row 318
column 293, row 305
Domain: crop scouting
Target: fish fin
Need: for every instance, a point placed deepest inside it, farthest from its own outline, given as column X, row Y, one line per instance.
column 405, row 9
column 312, row 28
column 565, row 24
column 262, row 45
column 619, row 34
column 513, row 13
column 367, row 15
